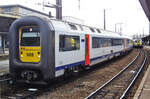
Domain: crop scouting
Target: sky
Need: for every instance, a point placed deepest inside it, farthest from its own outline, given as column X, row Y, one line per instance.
column 125, row 14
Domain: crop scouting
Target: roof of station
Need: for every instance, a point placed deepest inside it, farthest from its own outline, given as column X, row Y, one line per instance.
column 146, row 6
column 21, row 6
column 9, row 16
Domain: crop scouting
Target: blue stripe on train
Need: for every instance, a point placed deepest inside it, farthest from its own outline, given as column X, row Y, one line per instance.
column 70, row 65
column 83, row 62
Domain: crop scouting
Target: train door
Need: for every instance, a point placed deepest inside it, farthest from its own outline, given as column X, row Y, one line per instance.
column 125, row 45
column 87, row 50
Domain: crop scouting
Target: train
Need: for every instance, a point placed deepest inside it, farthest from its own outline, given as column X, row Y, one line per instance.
column 137, row 43
column 43, row 49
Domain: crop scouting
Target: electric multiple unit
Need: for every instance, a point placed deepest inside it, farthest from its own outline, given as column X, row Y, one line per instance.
column 42, row 49
column 138, row 43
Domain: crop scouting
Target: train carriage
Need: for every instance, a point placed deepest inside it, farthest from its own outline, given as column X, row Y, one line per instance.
column 42, row 49
column 138, row 43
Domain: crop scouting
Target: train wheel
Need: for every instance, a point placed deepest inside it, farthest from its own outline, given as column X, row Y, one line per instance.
column 86, row 67
column 76, row 71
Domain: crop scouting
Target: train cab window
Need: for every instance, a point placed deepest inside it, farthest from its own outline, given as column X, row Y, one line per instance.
column 98, row 31
column 92, row 30
column 69, row 43
column 73, row 27
column 135, row 41
column 128, row 41
column 30, row 36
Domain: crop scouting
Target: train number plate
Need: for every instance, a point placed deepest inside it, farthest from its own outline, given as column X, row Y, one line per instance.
column 30, row 54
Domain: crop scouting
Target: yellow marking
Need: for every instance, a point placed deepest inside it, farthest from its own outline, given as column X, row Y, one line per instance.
column 29, row 53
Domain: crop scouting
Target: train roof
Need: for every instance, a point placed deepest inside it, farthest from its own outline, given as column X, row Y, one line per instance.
column 127, row 37
column 62, row 25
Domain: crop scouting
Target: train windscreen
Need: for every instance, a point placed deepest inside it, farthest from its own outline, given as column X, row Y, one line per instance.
column 30, row 36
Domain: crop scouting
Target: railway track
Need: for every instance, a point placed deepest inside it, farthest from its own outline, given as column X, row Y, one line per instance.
column 28, row 92
column 119, row 85
column 5, row 78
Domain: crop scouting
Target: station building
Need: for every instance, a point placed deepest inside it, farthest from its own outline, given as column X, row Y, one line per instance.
column 9, row 13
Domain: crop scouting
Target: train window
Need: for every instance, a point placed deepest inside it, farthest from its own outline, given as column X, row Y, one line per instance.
column 98, row 31
column 116, row 42
column 30, row 37
column 109, row 42
column 101, row 42
column 92, row 29
column 104, row 43
column 69, row 43
column 73, row 27
column 96, row 42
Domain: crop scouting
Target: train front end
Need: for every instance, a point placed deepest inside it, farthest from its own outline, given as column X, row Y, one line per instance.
column 32, row 50
column 138, row 43
column 29, row 44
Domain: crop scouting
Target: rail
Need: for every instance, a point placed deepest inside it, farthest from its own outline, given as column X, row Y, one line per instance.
column 130, row 85
column 5, row 78
column 104, row 85
column 32, row 94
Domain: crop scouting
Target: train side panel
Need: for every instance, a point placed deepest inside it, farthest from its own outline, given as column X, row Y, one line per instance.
column 117, row 50
column 68, row 53
column 99, row 53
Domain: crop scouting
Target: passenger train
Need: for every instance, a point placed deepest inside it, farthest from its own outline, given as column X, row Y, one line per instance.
column 138, row 43
column 42, row 49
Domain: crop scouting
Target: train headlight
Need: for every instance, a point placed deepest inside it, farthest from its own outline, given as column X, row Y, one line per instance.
column 21, row 55
column 38, row 54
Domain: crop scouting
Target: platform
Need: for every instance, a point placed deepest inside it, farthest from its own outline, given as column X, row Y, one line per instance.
column 143, row 91
column 4, row 57
column 4, row 66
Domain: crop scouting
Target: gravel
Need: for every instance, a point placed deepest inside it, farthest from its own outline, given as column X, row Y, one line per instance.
column 84, row 85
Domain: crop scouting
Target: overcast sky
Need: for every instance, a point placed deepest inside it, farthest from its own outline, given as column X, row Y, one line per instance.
column 127, row 12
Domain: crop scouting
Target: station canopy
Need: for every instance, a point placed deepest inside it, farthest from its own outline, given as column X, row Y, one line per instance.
column 146, row 6
column 5, row 22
